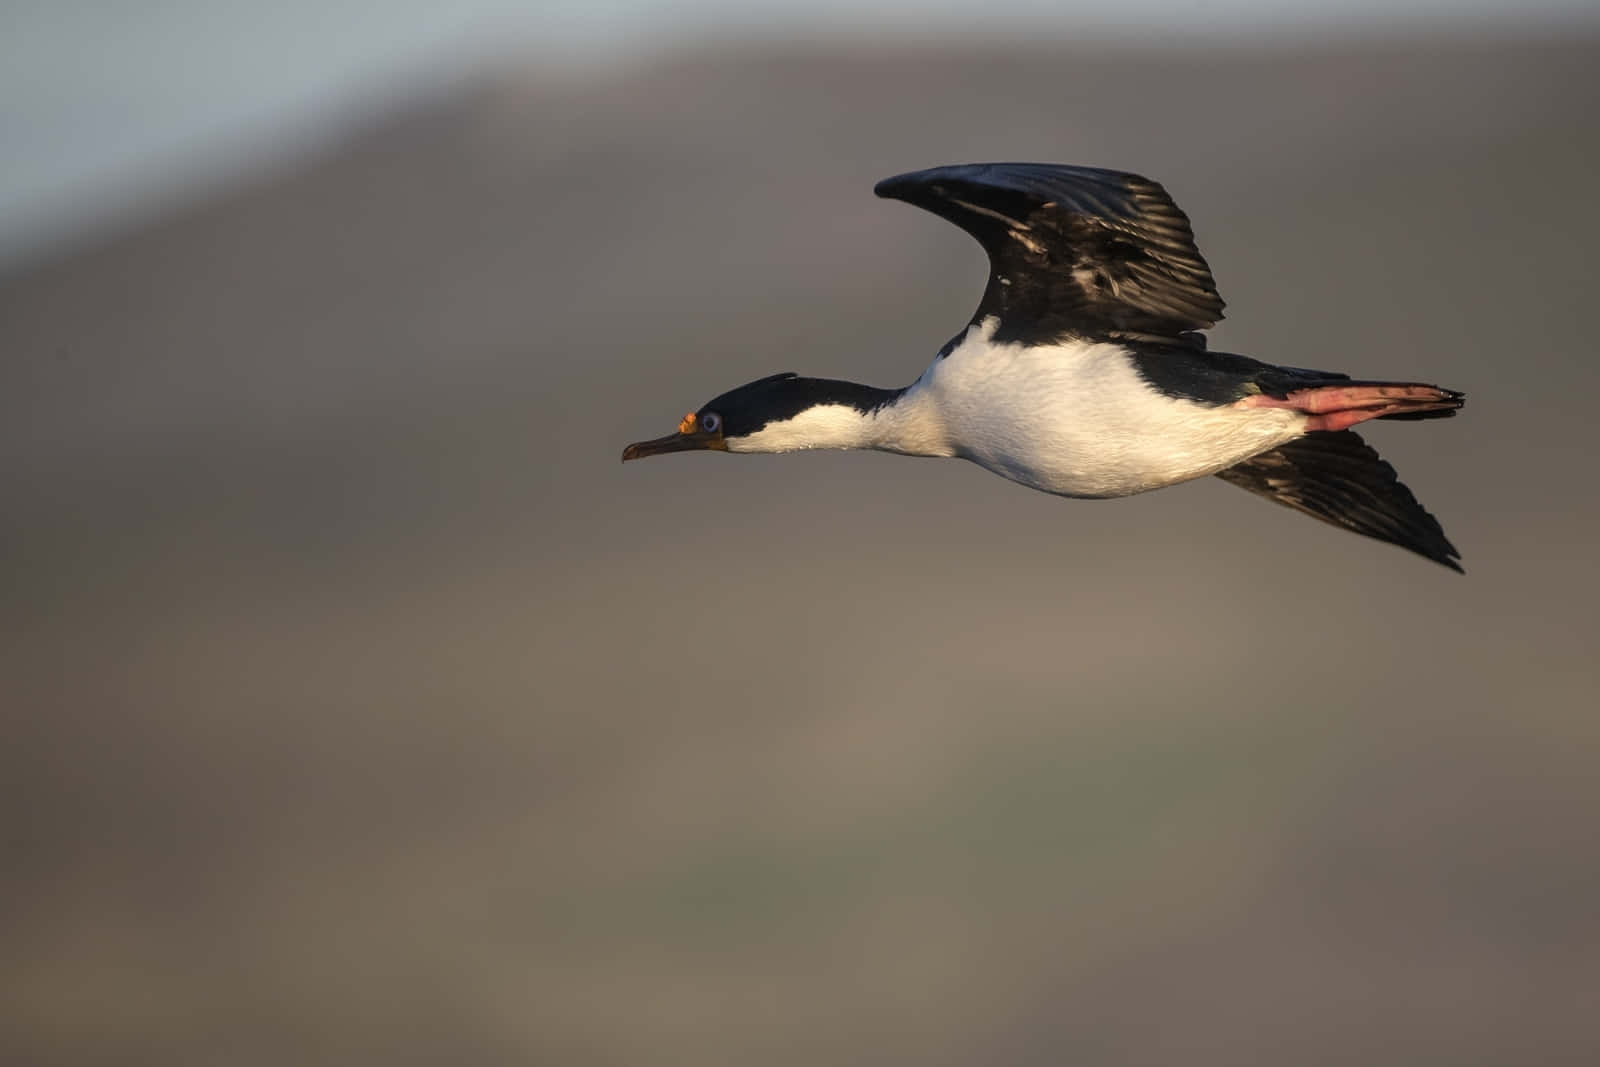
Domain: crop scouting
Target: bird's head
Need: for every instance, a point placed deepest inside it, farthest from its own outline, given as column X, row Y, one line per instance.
column 781, row 413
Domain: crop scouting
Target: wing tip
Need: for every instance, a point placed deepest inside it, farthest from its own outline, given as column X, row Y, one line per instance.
column 1430, row 542
column 890, row 188
column 904, row 186
column 1337, row 478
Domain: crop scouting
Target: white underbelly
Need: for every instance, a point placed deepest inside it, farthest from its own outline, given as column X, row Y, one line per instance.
column 1078, row 419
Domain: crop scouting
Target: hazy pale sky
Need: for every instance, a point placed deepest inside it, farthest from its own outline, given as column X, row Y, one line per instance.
column 105, row 106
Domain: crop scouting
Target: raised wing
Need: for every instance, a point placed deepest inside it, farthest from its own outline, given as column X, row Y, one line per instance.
column 1073, row 251
column 1338, row 478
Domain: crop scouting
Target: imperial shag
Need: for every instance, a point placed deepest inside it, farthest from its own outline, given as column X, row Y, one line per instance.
column 1082, row 373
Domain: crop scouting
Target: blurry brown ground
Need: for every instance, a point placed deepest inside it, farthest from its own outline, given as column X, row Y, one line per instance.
column 359, row 707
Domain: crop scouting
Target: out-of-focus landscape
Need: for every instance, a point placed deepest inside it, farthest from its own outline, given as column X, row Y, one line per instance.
column 360, row 707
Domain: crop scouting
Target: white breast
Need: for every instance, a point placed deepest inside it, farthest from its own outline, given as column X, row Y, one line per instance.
column 1078, row 419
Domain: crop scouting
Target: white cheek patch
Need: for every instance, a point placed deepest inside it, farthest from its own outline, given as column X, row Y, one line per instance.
column 827, row 426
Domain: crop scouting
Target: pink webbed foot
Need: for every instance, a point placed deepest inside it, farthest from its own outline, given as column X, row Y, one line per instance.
column 1338, row 407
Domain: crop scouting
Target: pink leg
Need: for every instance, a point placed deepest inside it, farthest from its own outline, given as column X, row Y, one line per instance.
column 1337, row 407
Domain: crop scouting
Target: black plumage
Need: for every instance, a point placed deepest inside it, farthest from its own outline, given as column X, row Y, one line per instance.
column 1340, row 479
column 1073, row 251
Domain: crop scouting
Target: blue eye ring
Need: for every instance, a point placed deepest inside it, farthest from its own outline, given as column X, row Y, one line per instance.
column 710, row 422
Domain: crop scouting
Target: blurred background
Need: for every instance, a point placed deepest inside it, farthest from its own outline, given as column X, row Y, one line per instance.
column 360, row 707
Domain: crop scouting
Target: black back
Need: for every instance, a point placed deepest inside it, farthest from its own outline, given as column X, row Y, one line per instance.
column 1073, row 251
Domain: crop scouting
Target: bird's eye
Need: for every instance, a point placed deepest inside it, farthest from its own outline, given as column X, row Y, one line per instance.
column 710, row 422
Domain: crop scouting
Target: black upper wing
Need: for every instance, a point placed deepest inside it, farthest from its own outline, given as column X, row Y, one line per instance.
column 1073, row 251
column 1338, row 478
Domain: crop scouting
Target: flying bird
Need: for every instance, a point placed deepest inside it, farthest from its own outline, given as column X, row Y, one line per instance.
column 1083, row 371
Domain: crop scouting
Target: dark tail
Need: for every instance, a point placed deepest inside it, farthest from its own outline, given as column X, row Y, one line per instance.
column 1338, row 478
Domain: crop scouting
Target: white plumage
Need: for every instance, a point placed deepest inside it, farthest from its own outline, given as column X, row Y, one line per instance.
column 1074, row 418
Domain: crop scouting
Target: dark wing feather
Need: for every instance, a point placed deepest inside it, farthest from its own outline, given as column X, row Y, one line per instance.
column 1338, row 478
column 1073, row 251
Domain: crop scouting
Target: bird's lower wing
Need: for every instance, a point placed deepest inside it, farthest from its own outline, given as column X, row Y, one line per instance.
column 1338, row 478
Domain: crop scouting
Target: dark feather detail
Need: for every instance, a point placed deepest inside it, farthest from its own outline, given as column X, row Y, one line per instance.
column 1074, row 251
column 1338, row 478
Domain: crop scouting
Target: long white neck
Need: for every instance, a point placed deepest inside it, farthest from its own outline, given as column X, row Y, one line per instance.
column 892, row 421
